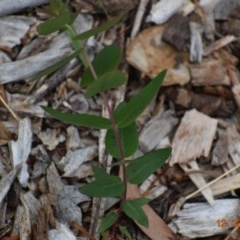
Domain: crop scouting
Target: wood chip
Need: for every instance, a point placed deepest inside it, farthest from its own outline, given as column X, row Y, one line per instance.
column 148, row 53
column 196, row 129
column 74, row 159
column 13, row 6
column 13, row 28
column 209, row 72
column 202, row 220
column 198, row 179
column 156, row 130
column 62, row 232
column 163, row 10
column 21, row 149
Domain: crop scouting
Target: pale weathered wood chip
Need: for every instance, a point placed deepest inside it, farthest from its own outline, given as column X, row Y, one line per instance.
column 198, row 179
column 163, row 10
column 13, row 29
column 193, row 138
column 74, row 159
column 156, row 130
column 62, row 232
column 202, row 220
column 21, row 149
column 14, row 6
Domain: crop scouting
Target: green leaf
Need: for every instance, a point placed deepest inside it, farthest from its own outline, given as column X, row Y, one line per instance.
column 55, row 66
column 83, row 120
column 124, row 231
column 107, row 81
column 129, row 141
column 133, row 209
column 102, row 28
column 107, row 222
column 55, row 24
column 104, row 185
column 105, row 61
column 141, row 168
column 130, row 111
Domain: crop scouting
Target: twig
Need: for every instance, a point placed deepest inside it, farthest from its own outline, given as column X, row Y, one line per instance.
column 139, row 16
column 212, row 182
column 9, row 109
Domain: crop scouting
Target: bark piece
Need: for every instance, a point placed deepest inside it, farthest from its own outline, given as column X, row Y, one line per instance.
column 220, row 151
column 233, row 138
column 67, row 205
column 74, row 159
column 196, row 46
column 198, row 179
column 51, row 138
column 218, row 44
column 196, row 129
column 226, row 185
column 223, row 9
column 59, row 48
column 14, row 6
column 6, row 183
column 22, row 224
column 148, row 53
column 156, row 130
column 177, row 32
column 112, row 6
column 20, row 150
column 209, row 72
column 73, row 139
column 13, row 29
column 163, row 10
column 32, row 204
column 139, row 16
column 198, row 220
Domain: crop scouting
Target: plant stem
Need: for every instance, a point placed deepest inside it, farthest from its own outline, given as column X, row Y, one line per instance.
column 118, row 140
column 77, row 44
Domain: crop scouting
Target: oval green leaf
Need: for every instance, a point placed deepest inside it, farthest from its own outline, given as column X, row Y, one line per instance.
column 131, row 110
column 83, row 120
column 107, row 81
column 105, row 61
column 104, row 185
column 129, row 141
column 141, row 168
column 133, row 209
column 107, row 222
column 55, row 24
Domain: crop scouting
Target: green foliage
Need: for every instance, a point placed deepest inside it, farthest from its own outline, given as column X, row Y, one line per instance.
column 104, row 185
column 122, row 136
column 124, row 231
column 141, row 168
column 107, row 81
column 128, row 138
column 107, row 222
column 130, row 111
column 105, row 61
column 83, row 120
column 102, row 28
column 55, row 24
column 133, row 209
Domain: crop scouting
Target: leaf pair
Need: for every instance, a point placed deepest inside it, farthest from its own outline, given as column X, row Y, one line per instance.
column 124, row 116
column 105, row 74
column 138, row 170
column 132, row 208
